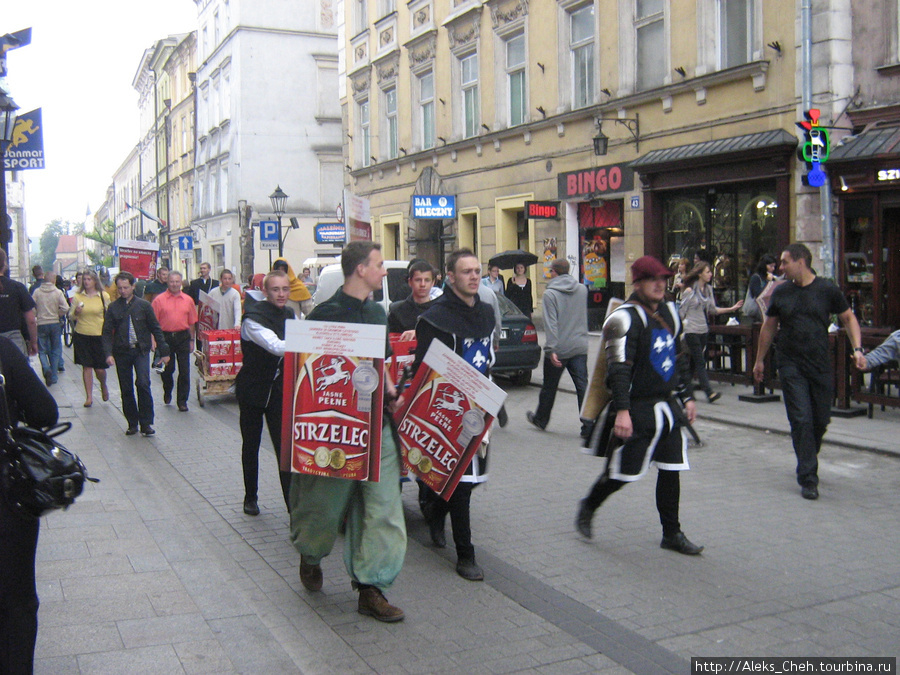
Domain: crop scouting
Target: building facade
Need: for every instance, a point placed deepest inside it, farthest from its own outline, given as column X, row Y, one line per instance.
column 267, row 116
column 660, row 127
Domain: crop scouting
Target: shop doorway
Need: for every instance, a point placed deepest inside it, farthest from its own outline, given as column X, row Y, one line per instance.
column 599, row 235
column 890, row 264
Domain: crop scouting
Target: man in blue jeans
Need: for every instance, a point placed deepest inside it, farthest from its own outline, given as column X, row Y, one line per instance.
column 801, row 312
column 127, row 329
column 566, row 343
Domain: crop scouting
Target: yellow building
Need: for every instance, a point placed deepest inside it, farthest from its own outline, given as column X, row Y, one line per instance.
column 659, row 127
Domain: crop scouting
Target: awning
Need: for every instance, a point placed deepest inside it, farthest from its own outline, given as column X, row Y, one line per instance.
column 873, row 143
column 778, row 141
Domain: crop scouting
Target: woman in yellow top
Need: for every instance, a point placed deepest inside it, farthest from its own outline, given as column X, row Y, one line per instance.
column 299, row 300
column 88, row 309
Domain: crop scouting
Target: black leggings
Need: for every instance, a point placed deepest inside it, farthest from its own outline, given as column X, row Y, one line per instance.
column 18, row 592
column 668, row 495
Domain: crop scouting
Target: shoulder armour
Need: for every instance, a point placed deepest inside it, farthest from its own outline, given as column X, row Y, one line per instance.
column 615, row 329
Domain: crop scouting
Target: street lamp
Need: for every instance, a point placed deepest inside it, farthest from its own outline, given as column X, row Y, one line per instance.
column 278, row 200
column 8, row 117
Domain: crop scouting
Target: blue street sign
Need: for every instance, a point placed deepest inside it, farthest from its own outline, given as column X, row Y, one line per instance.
column 269, row 236
column 186, row 243
column 635, row 202
column 434, row 207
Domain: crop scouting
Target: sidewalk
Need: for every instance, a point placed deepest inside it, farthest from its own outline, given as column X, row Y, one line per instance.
column 860, row 433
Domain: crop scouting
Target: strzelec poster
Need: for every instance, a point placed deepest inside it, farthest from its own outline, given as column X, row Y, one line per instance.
column 447, row 410
column 333, row 398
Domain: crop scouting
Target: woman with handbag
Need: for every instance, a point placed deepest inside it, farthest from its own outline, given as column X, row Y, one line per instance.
column 765, row 272
column 88, row 310
column 697, row 303
column 28, row 400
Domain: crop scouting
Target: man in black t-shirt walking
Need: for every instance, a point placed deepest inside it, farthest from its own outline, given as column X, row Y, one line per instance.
column 801, row 311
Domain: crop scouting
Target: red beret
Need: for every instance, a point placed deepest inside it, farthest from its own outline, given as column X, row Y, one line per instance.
column 648, row 266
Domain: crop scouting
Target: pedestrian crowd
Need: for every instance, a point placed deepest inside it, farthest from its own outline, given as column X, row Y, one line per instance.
column 635, row 408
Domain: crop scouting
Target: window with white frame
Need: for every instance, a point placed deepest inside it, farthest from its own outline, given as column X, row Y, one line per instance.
column 386, row 7
column 736, row 32
column 425, row 84
column 515, row 79
column 209, row 205
column 392, row 148
column 650, row 39
column 217, row 30
column 360, row 16
column 365, row 141
column 581, row 42
column 468, row 80
column 184, row 135
column 225, row 112
column 223, row 188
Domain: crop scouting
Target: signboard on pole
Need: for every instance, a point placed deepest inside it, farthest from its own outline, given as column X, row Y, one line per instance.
column 333, row 398
column 330, row 233
column 269, row 235
column 26, row 149
column 137, row 257
column 359, row 217
column 186, row 245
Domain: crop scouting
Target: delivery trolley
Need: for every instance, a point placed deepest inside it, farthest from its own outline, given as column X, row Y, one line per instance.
column 218, row 361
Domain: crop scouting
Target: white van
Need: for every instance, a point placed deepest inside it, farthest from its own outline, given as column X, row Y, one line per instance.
column 393, row 286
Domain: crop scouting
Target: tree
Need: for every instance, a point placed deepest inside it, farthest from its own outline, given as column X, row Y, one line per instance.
column 104, row 234
column 49, row 241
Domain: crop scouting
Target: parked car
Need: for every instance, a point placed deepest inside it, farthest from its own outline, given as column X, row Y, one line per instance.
column 519, row 352
column 393, row 286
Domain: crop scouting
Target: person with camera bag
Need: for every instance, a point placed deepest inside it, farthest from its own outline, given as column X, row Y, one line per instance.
column 28, row 400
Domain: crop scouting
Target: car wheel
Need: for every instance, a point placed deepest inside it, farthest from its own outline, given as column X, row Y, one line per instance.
column 522, row 378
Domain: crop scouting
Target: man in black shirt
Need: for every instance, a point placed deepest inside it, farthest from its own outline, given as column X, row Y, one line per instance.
column 404, row 313
column 16, row 311
column 801, row 312
column 203, row 283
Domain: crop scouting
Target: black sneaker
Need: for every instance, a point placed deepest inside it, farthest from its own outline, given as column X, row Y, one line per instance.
column 167, row 397
column 531, row 418
column 251, row 508
column 131, row 431
column 147, row 431
column 713, row 397
column 809, row 492
column 678, row 542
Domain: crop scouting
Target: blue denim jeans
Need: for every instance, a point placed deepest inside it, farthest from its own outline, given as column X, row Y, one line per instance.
column 577, row 367
column 50, row 350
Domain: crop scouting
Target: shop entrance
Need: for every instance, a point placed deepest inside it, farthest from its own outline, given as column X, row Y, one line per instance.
column 600, row 247
column 890, row 227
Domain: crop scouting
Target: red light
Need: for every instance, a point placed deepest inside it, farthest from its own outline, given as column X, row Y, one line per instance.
column 530, row 334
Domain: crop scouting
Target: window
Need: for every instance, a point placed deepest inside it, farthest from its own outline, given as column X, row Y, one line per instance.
column 218, row 254
column 735, row 32
column 390, row 114
column 468, row 76
column 360, row 16
column 217, row 29
column 184, row 135
column 426, row 110
column 205, row 42
column 650, row 35
column 223, row 189
column 225, row 112
column 386, row 7
column 515, row 76
column 365, row 142
column 581, row 40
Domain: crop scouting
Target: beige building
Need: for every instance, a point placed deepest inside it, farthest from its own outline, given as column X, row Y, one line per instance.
column 659, row 127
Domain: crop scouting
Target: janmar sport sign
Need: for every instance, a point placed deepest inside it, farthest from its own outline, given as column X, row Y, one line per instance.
column 435, row 207
column 26, row 149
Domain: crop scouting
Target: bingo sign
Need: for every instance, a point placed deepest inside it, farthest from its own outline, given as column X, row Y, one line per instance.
column 595, row 182
column 433, row 207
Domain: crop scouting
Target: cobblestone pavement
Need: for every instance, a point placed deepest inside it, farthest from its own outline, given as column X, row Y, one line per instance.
column 157, row 569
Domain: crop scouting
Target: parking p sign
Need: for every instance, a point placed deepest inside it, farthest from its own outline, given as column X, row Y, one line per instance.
column 268, row 234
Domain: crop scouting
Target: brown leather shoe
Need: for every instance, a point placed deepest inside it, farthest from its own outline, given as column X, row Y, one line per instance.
column 310, row 576
column 373, row 603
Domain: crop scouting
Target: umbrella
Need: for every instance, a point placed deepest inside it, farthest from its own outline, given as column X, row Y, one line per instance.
column 509, row 259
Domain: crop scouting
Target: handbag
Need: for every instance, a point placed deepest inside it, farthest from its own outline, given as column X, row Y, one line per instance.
column 750, row 308
column 37, row 474
column 765, row 297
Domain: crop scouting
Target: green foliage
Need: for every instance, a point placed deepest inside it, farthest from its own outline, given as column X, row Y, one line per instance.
column 49, row 241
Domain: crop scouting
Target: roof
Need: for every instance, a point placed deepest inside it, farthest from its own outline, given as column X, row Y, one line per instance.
column 871, row 143
column 68, row 243
column 779, row 138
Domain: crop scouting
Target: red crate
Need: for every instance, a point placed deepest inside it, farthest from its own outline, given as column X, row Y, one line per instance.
column 404, row 353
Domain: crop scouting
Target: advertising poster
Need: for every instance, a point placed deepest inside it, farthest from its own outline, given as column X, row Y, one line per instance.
column 333, row 397
column 137, row 257
column 447, row 410
column 208, row 312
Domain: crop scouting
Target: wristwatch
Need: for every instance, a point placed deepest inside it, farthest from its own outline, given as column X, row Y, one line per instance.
column 859, row 349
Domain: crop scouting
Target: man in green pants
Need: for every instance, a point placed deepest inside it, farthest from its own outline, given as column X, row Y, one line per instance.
column 375, row 542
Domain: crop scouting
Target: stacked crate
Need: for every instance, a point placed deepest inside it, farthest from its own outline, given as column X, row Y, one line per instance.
column 222, row 349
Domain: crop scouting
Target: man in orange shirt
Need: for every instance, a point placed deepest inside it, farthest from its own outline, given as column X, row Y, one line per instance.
column 177, row 316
